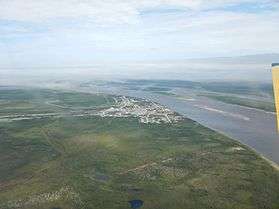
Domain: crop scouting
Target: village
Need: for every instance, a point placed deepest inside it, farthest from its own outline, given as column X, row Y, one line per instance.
column 146, row 111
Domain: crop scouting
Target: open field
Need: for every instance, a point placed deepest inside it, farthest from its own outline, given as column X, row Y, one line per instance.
column 95, row 161
column 253, row 95
column 246, row 102
column 241, row 88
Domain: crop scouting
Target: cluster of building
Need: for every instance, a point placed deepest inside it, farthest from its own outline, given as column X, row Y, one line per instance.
column 147, row 112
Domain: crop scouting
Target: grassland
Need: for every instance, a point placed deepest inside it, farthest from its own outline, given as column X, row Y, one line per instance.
column 94, row 162
column 239, row 93
column 232, row 87
column 246, row 102
column 159, row 90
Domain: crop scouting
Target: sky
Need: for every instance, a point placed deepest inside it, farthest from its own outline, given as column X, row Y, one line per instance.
column 47, row 33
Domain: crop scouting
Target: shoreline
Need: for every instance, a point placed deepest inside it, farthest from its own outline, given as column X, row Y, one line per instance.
column 273, row 164
column 269, row 161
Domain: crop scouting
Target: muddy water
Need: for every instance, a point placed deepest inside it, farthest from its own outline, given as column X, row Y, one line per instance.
column 252, row 127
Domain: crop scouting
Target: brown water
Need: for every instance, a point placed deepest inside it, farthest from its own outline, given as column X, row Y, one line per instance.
column 252, row 127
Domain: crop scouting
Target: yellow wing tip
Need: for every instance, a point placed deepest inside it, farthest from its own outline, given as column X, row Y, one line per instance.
column 275, row 79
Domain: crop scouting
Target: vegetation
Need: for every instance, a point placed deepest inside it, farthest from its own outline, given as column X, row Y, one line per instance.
column 156, row 89
column 263, row 105
column 93, row 162
column 258, row 95
column 160, row 90
column 242, row 88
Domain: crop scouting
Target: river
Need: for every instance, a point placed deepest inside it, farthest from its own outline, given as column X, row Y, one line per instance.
column 252, row 127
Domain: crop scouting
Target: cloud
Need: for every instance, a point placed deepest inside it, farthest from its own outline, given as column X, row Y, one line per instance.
column 100, row 11
column 34, row 32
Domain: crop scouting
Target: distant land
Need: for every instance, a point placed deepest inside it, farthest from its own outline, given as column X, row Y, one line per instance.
column 71, row 150
column 252, row 68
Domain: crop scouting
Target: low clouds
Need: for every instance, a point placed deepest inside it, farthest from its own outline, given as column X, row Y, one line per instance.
column 66, row 32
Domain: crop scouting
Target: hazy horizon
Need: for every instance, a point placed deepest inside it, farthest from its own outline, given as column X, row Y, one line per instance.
column 154, row 39
column 253, row 68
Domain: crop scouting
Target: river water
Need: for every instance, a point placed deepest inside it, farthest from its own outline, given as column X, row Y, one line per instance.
column 252, row 127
